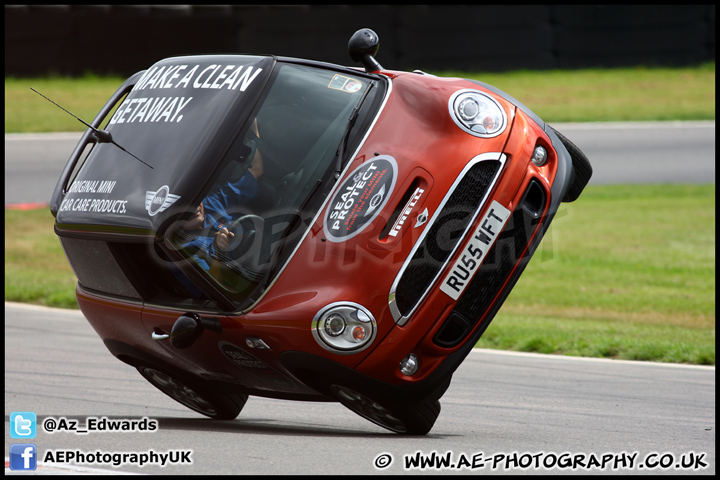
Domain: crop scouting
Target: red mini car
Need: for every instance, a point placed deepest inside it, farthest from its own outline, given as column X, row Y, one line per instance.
column 259, row 225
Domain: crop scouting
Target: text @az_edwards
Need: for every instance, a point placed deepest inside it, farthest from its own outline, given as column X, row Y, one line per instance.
column 99, row 424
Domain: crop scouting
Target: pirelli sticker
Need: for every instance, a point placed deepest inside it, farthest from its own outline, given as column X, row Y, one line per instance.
column 475, row 251
column 360, row 198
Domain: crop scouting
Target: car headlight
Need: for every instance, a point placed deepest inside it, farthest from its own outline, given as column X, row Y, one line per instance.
column 477, row 113
column 344, row 327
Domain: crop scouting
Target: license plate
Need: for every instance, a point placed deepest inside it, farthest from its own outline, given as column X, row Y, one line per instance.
column 475, row 251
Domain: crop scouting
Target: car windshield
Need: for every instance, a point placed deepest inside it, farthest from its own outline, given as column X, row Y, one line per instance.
column 274, row 180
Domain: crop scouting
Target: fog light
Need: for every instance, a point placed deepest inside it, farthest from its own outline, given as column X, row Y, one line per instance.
column 410, row 365
column 539, row 156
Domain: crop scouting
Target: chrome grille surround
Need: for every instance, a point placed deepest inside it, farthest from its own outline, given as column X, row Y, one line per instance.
column 400, row 314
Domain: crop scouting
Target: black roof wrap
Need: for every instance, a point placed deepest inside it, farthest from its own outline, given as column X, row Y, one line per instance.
column 181, row 118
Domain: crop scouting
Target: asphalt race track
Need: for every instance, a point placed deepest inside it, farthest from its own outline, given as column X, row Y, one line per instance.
column 504, row 412
column 502, row 409
column 666, row 152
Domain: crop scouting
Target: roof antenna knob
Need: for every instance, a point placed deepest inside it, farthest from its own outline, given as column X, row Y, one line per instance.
column 363, row 46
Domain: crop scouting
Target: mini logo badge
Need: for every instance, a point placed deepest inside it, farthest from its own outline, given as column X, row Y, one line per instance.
column 422, row 218
column 375, row 201
column 159, row 201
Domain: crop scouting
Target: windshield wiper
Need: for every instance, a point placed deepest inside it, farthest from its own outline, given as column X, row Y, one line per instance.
column 340, row 153
column 102, row 136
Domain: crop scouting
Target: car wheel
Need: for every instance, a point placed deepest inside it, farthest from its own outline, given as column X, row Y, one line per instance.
column 415, row 419
column 218, row 406
column 581, row 166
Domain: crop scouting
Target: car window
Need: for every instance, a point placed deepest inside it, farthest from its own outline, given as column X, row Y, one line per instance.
column 258, row 206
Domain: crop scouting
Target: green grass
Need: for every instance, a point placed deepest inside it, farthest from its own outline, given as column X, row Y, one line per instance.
column 624, row 272
column 627, row 94
column 601, row 338
column 28, row 112
column 36, row 270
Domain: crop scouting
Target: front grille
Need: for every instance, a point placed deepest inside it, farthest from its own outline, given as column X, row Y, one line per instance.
column 510, row 249
column 443, row 236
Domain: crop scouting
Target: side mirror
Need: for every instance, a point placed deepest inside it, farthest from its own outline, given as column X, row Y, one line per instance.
column 362, row 47
column 188, row 328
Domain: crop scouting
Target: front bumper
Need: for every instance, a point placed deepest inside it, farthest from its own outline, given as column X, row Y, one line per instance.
column 441, row 331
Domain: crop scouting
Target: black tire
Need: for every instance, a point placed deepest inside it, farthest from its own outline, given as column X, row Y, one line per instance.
column 414, row 419
column 218, row 406
column 581, row 167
